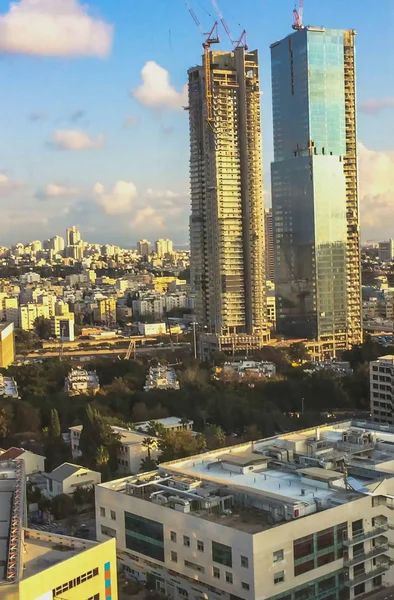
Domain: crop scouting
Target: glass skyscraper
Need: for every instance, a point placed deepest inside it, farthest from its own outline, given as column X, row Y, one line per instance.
column 314, row 186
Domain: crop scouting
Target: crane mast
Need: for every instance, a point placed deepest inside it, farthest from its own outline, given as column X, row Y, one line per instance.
column 298, row 16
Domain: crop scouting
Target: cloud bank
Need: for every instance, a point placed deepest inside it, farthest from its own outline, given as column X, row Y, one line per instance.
column 156, row 91
column 374, row 106
column 53, row 28
column 76, row 140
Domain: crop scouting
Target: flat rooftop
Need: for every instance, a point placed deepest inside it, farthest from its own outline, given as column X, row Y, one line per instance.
column 257, row 485
column 42, row 550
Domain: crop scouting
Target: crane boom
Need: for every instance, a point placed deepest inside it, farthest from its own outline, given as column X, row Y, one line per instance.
column 213, row 38
column 298, row 16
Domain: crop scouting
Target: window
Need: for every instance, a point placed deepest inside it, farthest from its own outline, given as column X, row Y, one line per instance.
column 303, row 547
column 304, row 567
column 68, row 585
column 245, row 586
column 229, row 577
column 222, row 554
column 194, row 566
column 245, row 562
column 102, row 511
column 277, row 556
column 174, row 556
column 186, row 541
column 216, row 572
column 108, row 531
column 325, row 559
column 357, row 527
column 279, row 577
column 113, row 515
column 200, row 546
column 183, row 592
column 359, row 589
column 325, row 538
column 145, row 536
column 173, row 536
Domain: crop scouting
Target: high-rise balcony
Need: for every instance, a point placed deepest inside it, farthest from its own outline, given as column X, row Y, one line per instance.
column 366, row 535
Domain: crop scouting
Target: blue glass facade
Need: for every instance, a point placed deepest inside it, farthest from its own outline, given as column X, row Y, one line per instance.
column 309, row 198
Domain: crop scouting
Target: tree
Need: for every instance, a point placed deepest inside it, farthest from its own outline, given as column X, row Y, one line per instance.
column 42, row 327
column 179, row 444
column 98, row 443
column 148, row 464
column 298, row 352
column 62, row 506
column 54, row 431
column 149, row 444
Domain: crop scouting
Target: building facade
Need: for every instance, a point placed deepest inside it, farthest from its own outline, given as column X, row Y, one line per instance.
column 381, row 382
column 315, row 186
column 386, row 251
column 144, row 248
column 226, row 183
column 164, row 247
column 281, row 519
column 73, row 236
column 7, row 344
column 269, row 245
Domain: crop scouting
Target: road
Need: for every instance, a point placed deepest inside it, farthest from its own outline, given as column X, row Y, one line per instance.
column 101, row 352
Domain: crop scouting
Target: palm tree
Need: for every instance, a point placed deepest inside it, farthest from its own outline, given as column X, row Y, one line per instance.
column 185, row 423
column 149, row 444
column 102, row 456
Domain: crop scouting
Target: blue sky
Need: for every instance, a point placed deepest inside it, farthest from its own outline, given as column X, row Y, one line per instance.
column 78, row 147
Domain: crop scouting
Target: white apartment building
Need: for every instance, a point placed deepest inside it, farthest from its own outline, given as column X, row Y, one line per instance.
column 161, row 377
column 132, row 450
column 68, row 477
column 305, row 515
column 79, row 381
column 381, row 381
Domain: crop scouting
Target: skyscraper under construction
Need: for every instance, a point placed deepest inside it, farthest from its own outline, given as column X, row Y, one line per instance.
column 227, row 211
column 315, row 187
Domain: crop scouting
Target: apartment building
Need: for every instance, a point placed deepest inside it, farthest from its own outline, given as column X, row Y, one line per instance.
column 28, row 313
column 301, row 515
column 79, row 381
column 161, row 377
column 132, row 449
column 36, row 565
column 381, row 381
column 67, row 478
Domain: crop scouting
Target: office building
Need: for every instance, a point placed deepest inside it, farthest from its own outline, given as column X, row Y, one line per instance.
column 269, row 245
column 386, row 251
column 7, row 344
column 144, row 248
column 314, row 186
column 164, row 247
column 226, row 185
column 304, row 515
column 37, row 565
column 381, row 383
column 73, row 236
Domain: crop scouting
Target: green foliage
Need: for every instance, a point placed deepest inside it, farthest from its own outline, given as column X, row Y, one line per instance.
column 148, row 464
column 98, row 444
column 54, row 424
column 62, row 506
column 42, row 328
column 298, row 353
column 179, row 444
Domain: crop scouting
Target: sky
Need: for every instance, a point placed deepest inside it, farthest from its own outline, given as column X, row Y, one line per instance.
column 93, row 130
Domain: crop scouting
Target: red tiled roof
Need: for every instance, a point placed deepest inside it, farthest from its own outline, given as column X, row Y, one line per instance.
column 12, row 453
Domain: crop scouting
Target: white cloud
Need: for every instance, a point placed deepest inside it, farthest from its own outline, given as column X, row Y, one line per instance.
column 74, row 140
column 374, row 106
column 148, row 219
column 117, row 201
column 54, row 190
column 156, row 90
column 158, row 194
column 8, row 185
column 376, row 192
column 53, row 28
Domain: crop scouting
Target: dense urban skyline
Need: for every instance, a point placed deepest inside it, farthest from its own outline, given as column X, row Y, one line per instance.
column 118, row 168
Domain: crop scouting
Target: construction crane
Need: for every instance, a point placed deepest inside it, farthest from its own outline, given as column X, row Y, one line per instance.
column 298, row 16
column 210, row 38
column 241, row 43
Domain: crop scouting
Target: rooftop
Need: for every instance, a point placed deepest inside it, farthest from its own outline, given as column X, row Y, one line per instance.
column 43, row 550
column 64, row 471
column 257, row 485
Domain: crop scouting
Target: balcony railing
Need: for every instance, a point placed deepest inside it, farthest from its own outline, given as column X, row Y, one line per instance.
column 363, row 556
column 378, row 570
column 366, row 535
